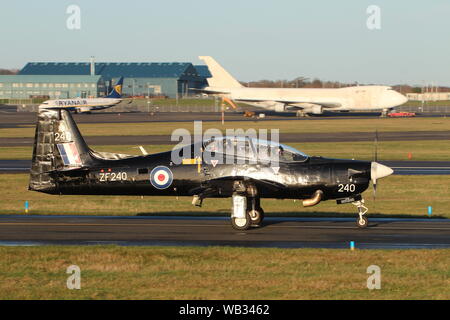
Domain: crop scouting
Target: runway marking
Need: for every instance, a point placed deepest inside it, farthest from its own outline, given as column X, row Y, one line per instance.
column 203, row 225
column 434, row 168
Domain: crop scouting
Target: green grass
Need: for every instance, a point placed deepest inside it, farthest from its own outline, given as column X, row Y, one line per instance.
column 428, row 103
column 287, row 126
column 432, row 150
column 181, row 102
column 110, row 272
column 399, row 196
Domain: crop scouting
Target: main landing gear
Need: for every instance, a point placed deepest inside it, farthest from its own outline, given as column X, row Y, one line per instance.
column 246, row 212
column 361, row 221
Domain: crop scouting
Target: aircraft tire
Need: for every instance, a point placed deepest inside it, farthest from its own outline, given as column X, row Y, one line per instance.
column 362, row 223
column 240, row 223
column 256, row 216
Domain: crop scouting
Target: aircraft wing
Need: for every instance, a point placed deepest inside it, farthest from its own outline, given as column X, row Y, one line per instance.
column 259, row 183
column 211, row 91
column 303, row 105
column 295, row 104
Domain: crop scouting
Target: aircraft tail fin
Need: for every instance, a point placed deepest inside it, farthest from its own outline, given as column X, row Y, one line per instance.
column 58, row 146
column 116, row 91
column 220, row 77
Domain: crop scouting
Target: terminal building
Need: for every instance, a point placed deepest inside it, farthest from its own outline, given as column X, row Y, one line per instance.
column 50, row 86
column 78, row 79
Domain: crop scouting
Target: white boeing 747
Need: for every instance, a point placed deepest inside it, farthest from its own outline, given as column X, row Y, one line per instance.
column 302, row 100
column 86, row 105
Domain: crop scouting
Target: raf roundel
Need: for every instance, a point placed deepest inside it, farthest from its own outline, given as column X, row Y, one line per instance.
column 161, row 177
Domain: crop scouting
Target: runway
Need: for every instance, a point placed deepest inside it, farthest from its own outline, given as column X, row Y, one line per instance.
column 399, row 167
column 284, row 138
column 204, row 231
column 11, row 119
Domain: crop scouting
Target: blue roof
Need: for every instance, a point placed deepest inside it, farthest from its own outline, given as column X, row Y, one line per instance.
column 112, row 69
column 203, row 71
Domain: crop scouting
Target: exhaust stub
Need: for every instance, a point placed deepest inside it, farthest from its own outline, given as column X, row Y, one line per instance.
column 315, row 199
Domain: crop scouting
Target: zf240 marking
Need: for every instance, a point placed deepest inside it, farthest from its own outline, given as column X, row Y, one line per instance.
column 348, row 187
column 113, row 176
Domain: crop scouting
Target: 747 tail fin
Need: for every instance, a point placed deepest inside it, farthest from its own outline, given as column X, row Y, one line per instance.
column 220, row 77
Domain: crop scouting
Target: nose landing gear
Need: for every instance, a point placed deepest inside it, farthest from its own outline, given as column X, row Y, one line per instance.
column 361, row 221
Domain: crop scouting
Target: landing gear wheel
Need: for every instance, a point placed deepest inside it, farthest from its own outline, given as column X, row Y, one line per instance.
column 241, row 223
column 362, row 222
column 256, row 216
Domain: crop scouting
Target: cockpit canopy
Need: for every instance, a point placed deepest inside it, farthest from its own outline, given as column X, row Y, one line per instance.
column 252, row 149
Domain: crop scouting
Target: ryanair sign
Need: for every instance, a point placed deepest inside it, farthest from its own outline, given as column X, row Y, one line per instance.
column 70, row 103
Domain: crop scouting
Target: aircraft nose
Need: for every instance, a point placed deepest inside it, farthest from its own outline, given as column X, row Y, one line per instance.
column 378, row 171
column 400, row 99
column 392, row 98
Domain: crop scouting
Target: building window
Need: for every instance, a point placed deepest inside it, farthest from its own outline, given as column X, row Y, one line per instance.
column 15, row 85
column 1, row 85
column 65, row 85
column 57, row 85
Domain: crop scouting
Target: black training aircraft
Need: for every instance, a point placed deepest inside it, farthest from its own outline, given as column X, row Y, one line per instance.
column 63, row 164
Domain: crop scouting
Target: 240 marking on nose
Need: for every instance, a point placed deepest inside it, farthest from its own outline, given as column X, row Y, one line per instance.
column 348, row 187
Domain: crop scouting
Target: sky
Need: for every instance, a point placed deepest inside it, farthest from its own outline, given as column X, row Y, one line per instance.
column 252, row 39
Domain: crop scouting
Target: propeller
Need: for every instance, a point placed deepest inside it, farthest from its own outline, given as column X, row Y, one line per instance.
column 377, row 170
column 375, row 159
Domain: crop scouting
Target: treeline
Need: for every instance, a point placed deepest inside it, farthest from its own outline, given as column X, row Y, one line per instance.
column 301, row 82
column 8, row 71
